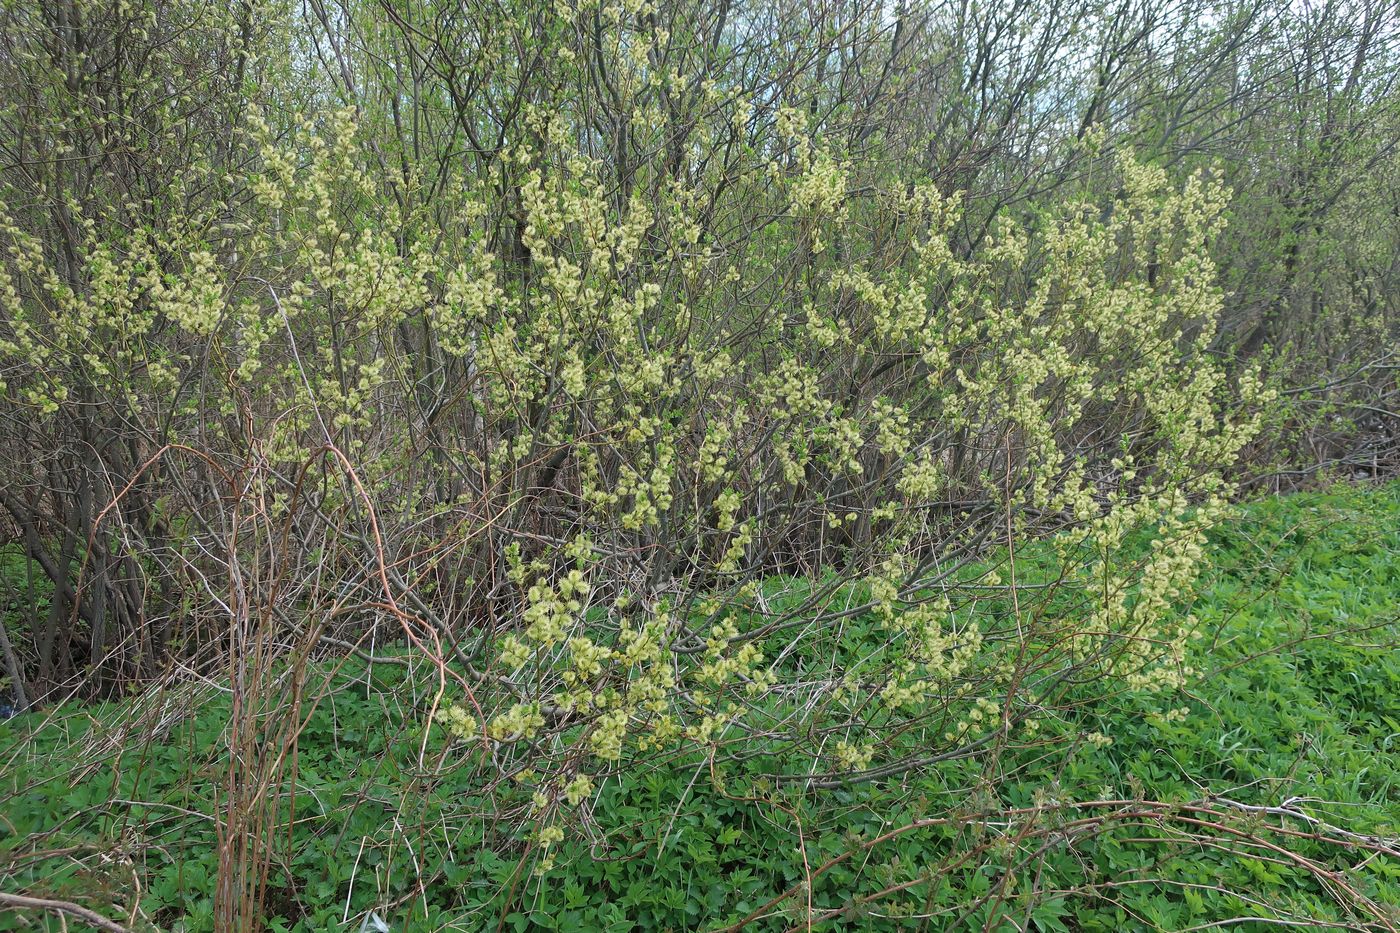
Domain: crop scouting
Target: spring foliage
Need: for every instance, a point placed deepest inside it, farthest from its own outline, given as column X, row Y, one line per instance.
column 620, row 358
column 690, row 442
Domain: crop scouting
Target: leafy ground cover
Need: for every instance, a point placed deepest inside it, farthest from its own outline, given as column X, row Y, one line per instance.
column 1266, row 792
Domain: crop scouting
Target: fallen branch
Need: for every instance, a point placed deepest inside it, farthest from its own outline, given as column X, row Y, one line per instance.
column 20, row 901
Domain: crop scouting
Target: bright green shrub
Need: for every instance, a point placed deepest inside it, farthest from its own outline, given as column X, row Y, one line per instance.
column 640, row 374
column 632, row 452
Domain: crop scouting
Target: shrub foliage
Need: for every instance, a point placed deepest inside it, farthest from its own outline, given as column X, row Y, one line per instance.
column 822, row 391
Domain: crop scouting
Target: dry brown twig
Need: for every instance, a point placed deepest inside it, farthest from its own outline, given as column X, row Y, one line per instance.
column 24, row 902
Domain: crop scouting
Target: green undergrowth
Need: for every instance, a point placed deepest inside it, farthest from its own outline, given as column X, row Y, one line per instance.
column 1124, row 814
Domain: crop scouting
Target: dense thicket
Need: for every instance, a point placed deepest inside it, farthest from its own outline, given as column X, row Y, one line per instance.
column 537, row 336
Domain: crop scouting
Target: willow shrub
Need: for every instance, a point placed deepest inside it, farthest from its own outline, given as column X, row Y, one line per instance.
column 757, row 498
